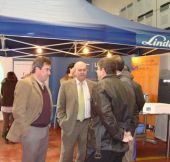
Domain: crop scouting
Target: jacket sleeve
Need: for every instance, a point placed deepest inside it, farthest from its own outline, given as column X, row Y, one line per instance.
column 132, row 118
column 140, row 101
column 2, row 87
column 21, row 94
column 133, row 122
column 61, row 104
column 103, row 109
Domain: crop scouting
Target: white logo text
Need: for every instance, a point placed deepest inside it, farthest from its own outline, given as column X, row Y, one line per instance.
column 157, row 41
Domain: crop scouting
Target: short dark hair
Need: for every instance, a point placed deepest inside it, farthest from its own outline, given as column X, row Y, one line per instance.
column 119, row 62
column 108, row 64
column 39, row 62
column 70, row 66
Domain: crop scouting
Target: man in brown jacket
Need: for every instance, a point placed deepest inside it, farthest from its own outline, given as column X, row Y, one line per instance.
column 32, row 111
column 72, row 120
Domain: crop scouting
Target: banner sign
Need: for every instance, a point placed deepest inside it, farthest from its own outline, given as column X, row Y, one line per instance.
column 146, row 72
column 154, row 41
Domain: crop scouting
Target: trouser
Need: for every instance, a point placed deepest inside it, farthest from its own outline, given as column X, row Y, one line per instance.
column 106, row 156
column 35, row 144
column 7, row 121
column 69, row 139
column 128, row 157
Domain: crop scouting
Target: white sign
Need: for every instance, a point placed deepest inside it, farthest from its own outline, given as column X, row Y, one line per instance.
column 22, row 68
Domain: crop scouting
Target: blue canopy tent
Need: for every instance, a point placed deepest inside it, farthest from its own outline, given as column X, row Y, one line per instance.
column 64, row 27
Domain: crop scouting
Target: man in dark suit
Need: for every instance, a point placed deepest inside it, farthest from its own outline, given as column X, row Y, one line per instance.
column 126, row 77
column 73, row 113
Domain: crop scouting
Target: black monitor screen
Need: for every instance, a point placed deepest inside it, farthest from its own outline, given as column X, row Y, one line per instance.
column 164, row 91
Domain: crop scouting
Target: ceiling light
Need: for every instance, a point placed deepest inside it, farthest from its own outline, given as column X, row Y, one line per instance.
column 39, row 50
column 109, row 55
column 86, row 50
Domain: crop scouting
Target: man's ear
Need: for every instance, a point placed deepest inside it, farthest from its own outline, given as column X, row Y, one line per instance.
column 103, row 71
column 37, row 68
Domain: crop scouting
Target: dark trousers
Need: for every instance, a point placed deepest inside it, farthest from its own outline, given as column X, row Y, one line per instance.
column 7, row 121
column 107, row 156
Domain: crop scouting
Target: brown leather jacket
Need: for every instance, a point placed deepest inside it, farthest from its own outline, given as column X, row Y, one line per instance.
column 112, row 114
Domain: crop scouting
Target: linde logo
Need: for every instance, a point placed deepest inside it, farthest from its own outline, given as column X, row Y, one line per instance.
column 157, row 41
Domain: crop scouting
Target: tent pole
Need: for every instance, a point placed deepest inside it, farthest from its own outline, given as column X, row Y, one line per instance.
column 2, row 37
column 75, row 48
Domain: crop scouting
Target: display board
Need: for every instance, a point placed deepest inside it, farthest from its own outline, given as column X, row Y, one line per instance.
column 6, row 65
column 146, row 72
column 22, row 68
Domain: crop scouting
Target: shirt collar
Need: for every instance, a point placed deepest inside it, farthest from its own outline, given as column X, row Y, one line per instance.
column 39, row 82
column 78, row 82
column 118, row 72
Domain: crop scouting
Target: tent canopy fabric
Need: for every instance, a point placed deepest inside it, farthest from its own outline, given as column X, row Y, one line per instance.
column 71, row 24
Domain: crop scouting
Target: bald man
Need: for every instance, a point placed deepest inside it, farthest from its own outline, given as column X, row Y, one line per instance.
column 73, row 113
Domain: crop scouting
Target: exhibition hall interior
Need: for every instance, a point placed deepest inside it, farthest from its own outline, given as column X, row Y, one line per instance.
column 70, row 31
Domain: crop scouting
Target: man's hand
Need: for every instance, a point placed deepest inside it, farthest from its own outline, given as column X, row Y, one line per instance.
column 127, row 137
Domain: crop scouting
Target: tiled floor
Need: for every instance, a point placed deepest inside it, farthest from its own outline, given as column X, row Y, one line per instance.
column 145, row 153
